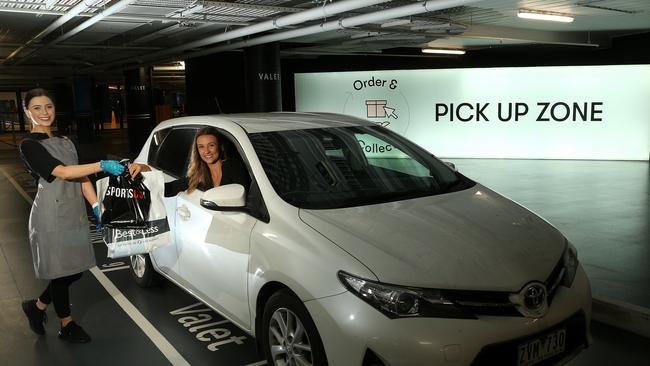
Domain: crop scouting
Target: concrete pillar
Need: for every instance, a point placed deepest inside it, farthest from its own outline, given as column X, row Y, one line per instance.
column 82, row 94
column 263, row 78
column 139, row 107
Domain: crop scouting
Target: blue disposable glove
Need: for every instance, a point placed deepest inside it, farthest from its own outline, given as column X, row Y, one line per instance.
column 98, row 224
column 112, row 167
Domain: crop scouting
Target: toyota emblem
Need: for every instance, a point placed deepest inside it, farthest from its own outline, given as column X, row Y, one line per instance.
column 535, row 296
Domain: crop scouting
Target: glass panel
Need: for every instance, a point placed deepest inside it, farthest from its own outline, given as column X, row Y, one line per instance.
column 353, row 166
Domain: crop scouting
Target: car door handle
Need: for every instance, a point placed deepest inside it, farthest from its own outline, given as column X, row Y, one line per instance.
column 184, row 212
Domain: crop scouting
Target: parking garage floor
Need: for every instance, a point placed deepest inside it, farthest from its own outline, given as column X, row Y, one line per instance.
column 603, row 209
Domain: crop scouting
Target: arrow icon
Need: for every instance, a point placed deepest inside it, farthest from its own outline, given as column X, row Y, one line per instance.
column 390, row 112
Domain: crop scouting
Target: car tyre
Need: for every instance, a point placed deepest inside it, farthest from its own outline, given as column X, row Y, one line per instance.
column 142, row 270
column 289, row 334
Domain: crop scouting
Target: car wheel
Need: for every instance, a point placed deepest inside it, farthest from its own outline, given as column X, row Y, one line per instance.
column 142, row 270
column 289, row 335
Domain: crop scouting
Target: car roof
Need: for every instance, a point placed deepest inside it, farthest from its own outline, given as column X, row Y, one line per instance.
column 273, row 121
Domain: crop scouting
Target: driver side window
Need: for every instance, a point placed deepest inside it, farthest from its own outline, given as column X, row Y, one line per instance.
column 170, row 150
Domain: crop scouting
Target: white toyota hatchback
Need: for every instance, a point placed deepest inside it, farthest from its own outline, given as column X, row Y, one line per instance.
column 354, row 246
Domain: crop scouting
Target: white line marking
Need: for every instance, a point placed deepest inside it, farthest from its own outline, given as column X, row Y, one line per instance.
column 17, row 186
column 149, row 330
column 257, row 363
column 115, row 268
column 158, row 339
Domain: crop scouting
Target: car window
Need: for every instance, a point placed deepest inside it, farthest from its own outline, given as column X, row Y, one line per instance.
column 352, row 166
column 174, row 151
column 156, row 141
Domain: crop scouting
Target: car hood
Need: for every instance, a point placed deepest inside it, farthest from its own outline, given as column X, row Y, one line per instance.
column 474, row 239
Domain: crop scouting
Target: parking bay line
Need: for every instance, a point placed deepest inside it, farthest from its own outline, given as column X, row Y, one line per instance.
column 260, row 363
column 115, row 268
column 149, row 330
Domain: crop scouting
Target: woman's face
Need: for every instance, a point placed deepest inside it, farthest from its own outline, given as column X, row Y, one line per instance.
column 42, row 110
column 208, row 147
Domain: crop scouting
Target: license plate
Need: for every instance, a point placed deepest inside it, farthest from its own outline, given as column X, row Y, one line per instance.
column 541, row 348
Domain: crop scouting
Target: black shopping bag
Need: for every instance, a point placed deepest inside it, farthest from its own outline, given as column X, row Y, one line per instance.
column 126, row 202
column 126, row 241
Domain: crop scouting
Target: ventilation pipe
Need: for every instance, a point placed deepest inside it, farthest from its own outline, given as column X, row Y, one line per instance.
column 398, row 12
column 120, row 5
column 76, row 10
column 324, row 11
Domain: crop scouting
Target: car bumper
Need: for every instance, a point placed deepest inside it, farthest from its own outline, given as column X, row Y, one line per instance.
column 350, row 328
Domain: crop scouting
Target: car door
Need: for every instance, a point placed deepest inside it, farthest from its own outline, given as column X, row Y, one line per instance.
column 169, row 151
column 213, row 254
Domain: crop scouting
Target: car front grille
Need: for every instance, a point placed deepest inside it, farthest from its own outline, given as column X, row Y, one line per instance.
column 499, row 303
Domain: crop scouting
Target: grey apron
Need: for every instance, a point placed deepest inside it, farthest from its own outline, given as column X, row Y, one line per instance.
column 58, row 224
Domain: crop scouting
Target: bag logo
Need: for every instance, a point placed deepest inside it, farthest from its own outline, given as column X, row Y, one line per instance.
column 125, row 193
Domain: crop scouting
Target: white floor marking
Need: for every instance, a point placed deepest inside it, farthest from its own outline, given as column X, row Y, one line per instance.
column 17, row 186
column 149, row 330
column 115, row 268
column 158, row 339
column 260, row 363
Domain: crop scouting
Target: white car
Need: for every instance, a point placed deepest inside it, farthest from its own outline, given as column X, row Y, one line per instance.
column 354, row 246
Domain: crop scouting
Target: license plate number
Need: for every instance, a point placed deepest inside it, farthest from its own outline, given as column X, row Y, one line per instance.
column 541, row 348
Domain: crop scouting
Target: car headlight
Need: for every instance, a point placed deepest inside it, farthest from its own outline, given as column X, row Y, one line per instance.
column 400, row 302
column 570, row 261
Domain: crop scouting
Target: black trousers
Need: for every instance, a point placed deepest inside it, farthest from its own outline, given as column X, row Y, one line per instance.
column 57, row 292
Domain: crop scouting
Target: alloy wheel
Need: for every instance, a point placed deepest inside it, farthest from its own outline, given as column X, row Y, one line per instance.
column 288, row 340
column 138, row 264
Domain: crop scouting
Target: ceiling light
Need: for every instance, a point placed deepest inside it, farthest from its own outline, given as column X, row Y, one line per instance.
column 443, row 51
column 536, row 15
column 396, row 22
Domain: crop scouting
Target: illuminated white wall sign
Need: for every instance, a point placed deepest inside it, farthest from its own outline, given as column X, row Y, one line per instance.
column 569, row 112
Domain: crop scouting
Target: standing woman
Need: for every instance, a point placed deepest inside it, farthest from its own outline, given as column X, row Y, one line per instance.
column 58, row 226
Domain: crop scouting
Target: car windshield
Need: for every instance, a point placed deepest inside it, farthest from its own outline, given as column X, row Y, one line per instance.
column 324, row 168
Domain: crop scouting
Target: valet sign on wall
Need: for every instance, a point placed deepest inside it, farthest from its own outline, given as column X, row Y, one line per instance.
column 568, row 112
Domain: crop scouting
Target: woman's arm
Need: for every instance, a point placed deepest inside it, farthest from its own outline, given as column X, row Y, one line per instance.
column 171, row 188
column 88, row 190
column 71, row 172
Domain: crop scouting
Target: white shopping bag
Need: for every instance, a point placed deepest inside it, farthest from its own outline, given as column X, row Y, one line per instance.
column 123, row 242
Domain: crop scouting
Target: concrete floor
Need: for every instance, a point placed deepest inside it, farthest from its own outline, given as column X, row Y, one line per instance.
column 602, row 207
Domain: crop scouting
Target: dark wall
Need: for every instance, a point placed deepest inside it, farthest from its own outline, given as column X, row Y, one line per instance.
column 215, row 81
column 624, row 50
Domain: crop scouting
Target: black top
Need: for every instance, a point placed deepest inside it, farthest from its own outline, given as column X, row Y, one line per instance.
column 38, row 161
column 232, row 171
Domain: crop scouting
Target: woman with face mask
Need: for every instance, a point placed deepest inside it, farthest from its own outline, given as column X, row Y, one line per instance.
column 58, row 225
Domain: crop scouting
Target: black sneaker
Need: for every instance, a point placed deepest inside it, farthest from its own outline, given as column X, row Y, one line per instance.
column 36, row 316
column 74, row 333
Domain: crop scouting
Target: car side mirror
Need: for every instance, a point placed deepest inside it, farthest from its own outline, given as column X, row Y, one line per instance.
column 230, row 197
column 451, row 165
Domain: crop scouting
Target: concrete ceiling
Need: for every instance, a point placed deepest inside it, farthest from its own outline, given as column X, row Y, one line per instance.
column 60, row 38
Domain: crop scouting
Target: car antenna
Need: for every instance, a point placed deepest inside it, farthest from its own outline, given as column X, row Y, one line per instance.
column 216, row 101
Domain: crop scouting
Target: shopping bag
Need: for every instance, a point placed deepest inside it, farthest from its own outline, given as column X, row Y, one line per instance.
column 125, row 241
column 125, row 202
